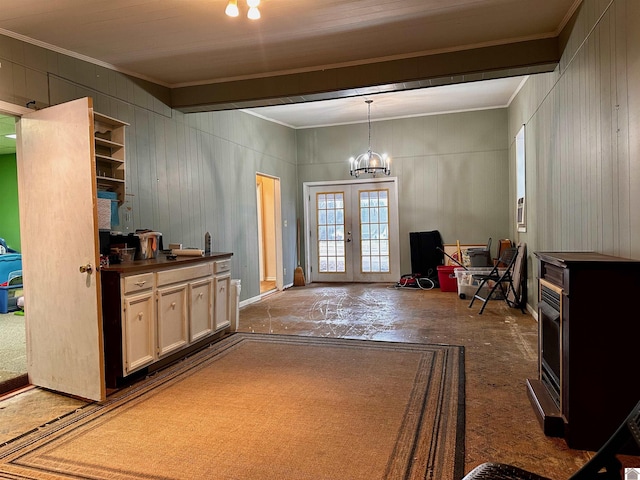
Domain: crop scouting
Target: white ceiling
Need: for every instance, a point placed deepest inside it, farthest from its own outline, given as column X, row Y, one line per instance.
column 7, row 126
column 408, row 103
column 177, row 43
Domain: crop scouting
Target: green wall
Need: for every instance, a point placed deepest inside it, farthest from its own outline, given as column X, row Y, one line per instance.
column 9, row 217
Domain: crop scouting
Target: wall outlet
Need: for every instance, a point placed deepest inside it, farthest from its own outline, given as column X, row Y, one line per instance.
column 285, row 271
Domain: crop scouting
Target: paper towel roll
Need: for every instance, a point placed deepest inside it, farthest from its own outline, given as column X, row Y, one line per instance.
column 188, row 252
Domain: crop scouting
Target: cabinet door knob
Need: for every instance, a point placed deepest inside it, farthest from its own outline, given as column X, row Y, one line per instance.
column 173, row 305
column 140, row 315
column 201, row 295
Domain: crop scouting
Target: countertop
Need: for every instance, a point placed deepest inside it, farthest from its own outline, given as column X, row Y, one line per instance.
column 162, row 262
column 581, row 257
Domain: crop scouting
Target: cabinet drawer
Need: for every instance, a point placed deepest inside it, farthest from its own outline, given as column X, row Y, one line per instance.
column 221, row 266
column 137, row 283
column 552, row 274
column 184, row 274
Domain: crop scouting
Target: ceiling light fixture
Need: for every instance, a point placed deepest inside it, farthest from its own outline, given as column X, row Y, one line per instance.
column 370, row 161
column 232, row 8
column 253, row 13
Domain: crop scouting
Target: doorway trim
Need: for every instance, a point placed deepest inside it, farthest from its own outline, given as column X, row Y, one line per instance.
column 277, row 214
column 11, row 109
column 22, row 380
column 306, row 187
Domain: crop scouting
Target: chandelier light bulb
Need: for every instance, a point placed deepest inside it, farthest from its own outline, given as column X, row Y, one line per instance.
column 254, row 13
column 253, row 3
column 232, row 8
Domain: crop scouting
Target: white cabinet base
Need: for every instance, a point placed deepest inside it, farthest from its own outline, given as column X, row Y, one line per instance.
column 154, row 310
column 200, row 309
column 139, row 342
column 172, row 319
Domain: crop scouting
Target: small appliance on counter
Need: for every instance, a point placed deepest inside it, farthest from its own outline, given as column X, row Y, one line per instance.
column 150, row 244
column 141, row 245
column 125, row 254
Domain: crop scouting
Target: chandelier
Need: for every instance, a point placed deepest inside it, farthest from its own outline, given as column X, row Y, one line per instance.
column 253, row 13
column 370, row 161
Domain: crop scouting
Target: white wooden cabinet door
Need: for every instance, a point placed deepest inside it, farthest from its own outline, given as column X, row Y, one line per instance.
column 60, row 249
column 222, row 297
column 172, row 318
column 139, row 339
column 200, row 309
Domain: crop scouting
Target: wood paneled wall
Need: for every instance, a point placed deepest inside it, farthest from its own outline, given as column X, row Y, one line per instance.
column 583, row 139
column 453, row 171
column 186, row 174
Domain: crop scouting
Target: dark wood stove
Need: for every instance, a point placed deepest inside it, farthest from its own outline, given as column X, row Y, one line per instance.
column 588, row 333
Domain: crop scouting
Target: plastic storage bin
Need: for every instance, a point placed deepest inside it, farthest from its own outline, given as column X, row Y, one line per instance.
column 9, row 298
column 10, row 281
column 467, row 284
column 480, row 257
column 447, row 278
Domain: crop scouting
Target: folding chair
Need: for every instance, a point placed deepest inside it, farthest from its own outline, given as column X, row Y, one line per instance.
column 499, row 280
column 603, row 466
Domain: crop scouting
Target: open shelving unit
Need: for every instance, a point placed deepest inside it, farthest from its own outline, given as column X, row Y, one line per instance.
column 109, row 136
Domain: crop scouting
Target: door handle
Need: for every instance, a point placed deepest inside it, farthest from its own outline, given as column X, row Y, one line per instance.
column 86, row 268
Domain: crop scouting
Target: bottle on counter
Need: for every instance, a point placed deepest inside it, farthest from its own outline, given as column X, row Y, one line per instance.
column 207, row 243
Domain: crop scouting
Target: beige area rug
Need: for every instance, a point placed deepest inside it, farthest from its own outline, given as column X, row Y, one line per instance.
column 267, row 407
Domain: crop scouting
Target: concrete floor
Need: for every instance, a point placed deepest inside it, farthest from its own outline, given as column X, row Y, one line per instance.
column 500, row 354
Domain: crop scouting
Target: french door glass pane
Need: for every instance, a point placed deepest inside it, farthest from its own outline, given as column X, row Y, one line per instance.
column 374, row 229
column 331, row 248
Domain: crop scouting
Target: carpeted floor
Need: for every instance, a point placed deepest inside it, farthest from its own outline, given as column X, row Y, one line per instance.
column 13, row 347
column 267, row 407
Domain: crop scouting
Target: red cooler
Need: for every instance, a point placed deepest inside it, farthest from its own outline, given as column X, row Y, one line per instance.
column 447, row 278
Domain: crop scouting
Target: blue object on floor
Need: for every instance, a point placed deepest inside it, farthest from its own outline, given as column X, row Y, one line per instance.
column 10, row 269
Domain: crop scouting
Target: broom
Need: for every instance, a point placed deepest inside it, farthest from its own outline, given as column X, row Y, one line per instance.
column 298, row 274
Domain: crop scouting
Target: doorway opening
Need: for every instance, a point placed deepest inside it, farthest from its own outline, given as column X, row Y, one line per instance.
column 269, row 233
column 13, row 348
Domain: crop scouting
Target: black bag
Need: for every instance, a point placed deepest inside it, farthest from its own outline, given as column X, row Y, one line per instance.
column 426, row 254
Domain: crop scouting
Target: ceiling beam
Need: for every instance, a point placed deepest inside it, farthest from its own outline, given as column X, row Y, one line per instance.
column 513, row 59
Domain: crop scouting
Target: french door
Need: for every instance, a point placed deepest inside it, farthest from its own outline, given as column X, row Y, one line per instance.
column 353, row 231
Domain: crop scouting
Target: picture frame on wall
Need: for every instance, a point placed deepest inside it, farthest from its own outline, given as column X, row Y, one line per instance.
column 521, row 214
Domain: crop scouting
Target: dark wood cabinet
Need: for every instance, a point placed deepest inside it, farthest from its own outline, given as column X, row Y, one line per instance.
column 588, row 334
